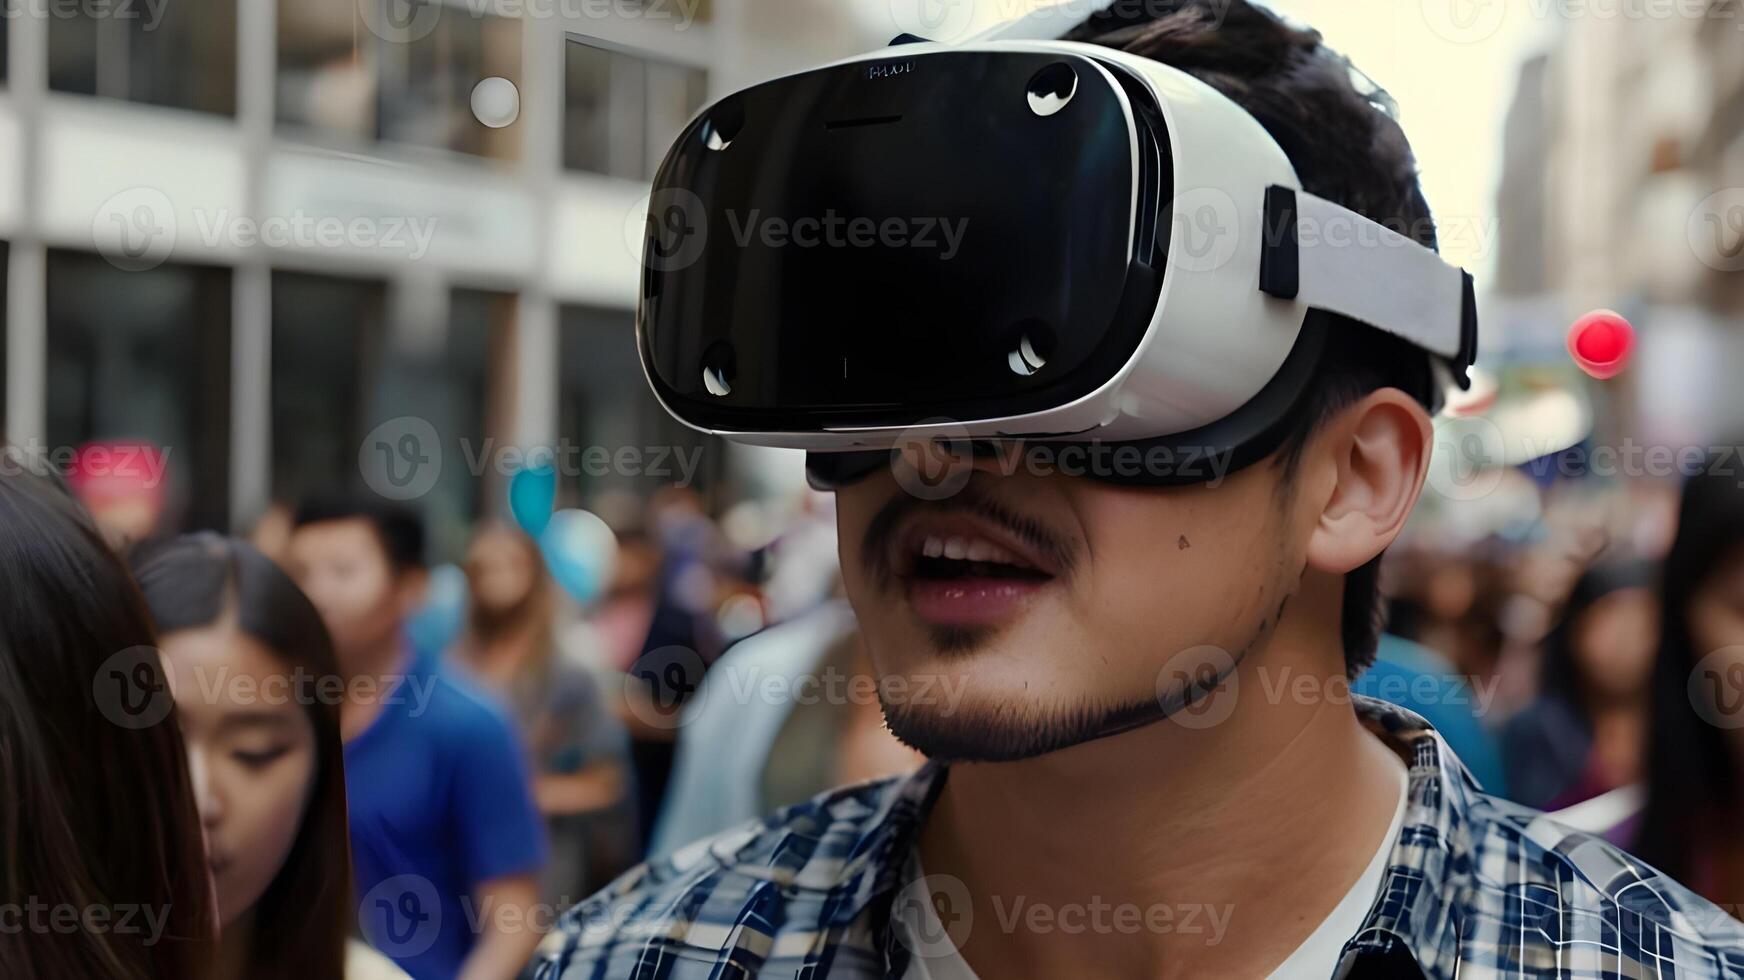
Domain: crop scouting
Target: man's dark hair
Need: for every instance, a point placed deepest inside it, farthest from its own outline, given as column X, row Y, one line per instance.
column 397, row 527
column 1338, row 130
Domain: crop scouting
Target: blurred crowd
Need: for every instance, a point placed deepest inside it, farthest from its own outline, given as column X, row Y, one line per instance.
column 591, row 687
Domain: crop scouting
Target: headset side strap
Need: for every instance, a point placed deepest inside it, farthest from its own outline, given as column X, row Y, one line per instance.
column 1347, row 264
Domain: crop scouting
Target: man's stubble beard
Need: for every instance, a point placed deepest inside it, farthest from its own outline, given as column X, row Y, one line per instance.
column 1012, row 731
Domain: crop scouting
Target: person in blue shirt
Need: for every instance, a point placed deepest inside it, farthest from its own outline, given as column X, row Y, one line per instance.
column 447, row 844
column 1413, row 676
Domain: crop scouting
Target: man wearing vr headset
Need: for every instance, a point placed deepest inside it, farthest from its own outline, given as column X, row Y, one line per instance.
column 1150, row 565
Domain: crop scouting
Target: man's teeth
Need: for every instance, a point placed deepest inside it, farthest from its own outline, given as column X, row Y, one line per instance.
column 966, row 549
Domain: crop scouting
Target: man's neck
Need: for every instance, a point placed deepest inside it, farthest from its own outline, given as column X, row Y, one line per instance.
column 1226, row 845
column 369, row 677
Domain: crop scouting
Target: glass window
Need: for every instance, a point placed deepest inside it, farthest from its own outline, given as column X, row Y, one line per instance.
column 350, row 363
column 181, row 55
column 144, row 357
column 457, row 381
column 606, row 409
column 396, row 70
column 325, row 333
column 622, row 111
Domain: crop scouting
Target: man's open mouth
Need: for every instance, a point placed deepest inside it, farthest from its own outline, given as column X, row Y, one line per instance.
column 960, row 569
column 969, row 556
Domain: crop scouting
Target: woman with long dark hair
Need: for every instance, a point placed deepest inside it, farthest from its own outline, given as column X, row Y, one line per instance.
column 1695, row 758
column 579, row 748
column 102, row 866
column 1585, row 734
column 258, row 694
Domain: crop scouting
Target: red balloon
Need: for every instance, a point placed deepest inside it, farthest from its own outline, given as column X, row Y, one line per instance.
column 1601, row 343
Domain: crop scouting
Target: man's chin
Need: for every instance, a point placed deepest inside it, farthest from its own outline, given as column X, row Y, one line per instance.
column 1009, row 732
column 957, row 641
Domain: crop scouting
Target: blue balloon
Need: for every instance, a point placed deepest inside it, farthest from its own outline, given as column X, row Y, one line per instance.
column 580, row 550
column 532, row 492
column 442, row 617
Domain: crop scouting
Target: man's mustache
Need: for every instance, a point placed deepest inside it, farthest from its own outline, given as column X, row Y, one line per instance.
column 972, row 499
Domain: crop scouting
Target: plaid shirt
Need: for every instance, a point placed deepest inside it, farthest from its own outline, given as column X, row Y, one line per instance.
column 1476, row 887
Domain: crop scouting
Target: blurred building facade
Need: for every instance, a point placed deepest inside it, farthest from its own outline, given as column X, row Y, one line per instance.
column 251, row 232
column 1639, row 163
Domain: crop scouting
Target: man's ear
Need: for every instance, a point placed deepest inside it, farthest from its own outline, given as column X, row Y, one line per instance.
column 1379, row 448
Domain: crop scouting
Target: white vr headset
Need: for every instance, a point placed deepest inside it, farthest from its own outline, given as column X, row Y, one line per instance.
column 1013, row 238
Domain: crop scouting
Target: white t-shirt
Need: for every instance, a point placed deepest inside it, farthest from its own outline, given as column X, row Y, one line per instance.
column 1317, row 957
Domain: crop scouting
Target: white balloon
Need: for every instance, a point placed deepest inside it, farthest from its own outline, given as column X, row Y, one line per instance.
column 496, row 102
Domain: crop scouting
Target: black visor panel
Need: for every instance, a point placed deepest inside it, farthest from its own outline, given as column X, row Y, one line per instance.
column 878, row 243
